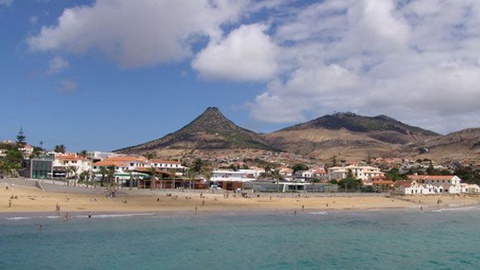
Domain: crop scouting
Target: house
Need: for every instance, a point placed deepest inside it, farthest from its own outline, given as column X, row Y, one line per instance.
column 383, row 185
column 232, row 176
column 69, row 165
column 124, row 167
column 166, row 165
column 27, row 150
column 443, row 183
column 311, row 174
column 412, row 187
column 470, row 188
column 357, row 171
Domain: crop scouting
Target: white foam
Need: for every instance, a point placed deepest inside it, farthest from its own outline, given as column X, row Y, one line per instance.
column 119, row 215
column 18, row 218
column 318, row 213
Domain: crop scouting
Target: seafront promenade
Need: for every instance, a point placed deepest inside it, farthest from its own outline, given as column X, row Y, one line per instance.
column 23, row 195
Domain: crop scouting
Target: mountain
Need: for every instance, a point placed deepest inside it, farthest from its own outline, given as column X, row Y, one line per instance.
column 463, row 145
column 209, row 131
column 348, row 135
column 341, row 135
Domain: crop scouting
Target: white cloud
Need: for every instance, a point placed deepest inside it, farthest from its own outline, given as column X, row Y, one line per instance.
column 395, row 57
column 137, row 33
column 57, row 64
column 247, row 54
column 404, row 59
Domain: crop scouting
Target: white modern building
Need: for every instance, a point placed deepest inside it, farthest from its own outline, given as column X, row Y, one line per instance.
column 358, row 172
column 167, row 165
column 69, row 165
column 434, row 184
column 233, row 176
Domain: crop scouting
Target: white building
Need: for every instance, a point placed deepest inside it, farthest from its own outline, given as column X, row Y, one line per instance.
column 69, row 165
column 166, row 165
column 434, row 184
column 358, row 172
column 124, row 167
column 445, row 183
column 470, row 188
column 233, row 176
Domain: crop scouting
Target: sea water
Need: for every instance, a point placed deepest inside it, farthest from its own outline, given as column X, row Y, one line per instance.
column 398, row 239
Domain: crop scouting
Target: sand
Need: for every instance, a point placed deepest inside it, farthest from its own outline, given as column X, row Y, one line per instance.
column 19, row 199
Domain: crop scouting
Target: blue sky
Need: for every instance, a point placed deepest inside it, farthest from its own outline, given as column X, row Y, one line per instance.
column 106, row 74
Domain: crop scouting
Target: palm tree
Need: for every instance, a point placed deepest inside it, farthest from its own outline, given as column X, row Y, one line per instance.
column 191, row 174
column 103, row 171
column 276, row 175
column 83, row 153
column 59, row 148
column 152, row 181
column 207, row 174
column 111, row 179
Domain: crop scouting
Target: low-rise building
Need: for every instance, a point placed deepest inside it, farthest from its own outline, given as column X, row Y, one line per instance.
column 358, row 172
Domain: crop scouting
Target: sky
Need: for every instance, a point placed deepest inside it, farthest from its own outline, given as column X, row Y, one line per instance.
column 107, row 74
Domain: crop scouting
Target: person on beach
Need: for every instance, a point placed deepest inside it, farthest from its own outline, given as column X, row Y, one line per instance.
column 89, row 214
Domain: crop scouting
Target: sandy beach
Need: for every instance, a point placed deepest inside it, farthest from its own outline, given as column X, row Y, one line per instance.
column 28, row 199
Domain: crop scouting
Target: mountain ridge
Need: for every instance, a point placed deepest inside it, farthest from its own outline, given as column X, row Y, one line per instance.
column 346, row 135
column 210, row 130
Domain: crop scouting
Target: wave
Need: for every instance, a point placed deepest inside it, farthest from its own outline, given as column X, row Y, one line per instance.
column 318, row 213
column 17, row 218
column 118, row 215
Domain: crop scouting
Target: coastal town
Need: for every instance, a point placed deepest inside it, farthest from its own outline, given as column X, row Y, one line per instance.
column 264, row 172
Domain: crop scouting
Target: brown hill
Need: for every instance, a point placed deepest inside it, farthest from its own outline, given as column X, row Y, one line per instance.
column 462, row 145
column 209, row 131
column 349, row 136
column 343, row 135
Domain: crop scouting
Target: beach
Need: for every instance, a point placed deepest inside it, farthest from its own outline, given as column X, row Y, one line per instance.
column 29, row 199
column 145, row 229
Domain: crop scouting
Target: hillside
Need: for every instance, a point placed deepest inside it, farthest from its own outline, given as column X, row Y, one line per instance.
column 348, row 135
column 462, row 145
column 341, row 135
column 209, row 131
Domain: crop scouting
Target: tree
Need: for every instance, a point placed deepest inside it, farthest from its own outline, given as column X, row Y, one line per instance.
column 198, row 165
column 37, row 151
column 150, row 155
column 103, row 172
column 83, row 153
column 153, row 172
column 111, row 180
column 191, row 174
column 299, row 167
column 394, row 174
column 83, row 177
column 21, row 138
column 12, row 161
column 350, row 183
column 59, row 149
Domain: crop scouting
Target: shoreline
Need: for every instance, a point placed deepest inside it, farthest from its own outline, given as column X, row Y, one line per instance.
column 26, row 200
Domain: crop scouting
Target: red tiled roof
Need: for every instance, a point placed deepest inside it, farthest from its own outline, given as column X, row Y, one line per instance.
column 105, row 163
column 431, row 177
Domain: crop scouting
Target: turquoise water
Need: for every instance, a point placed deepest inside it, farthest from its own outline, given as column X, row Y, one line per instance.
column 402, row 239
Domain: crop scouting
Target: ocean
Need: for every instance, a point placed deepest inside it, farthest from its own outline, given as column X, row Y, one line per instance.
column 396, row 239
